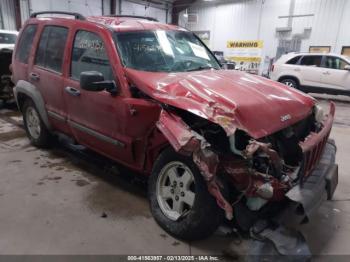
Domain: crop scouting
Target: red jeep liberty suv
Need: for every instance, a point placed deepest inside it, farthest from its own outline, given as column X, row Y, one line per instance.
column 216, row 144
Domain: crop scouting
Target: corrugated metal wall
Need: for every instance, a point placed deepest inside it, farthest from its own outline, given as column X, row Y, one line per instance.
column 25, row 10
column 258, row 19
column 7, row 10
column 85, row 7
column 132, row 8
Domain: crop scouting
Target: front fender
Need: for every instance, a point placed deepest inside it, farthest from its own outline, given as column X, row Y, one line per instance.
column 186, row 141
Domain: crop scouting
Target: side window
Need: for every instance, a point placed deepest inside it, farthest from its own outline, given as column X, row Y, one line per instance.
column 51, row 48
column 89, row 54
column 334, row 63
column 7, row 38
column 313, row 60
column 293, row 61
column 25, row 43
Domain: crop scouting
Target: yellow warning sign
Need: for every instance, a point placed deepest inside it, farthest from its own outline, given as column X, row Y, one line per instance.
column 245, row 44
column 252, row 59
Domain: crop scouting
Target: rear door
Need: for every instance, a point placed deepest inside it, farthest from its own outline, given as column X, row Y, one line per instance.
column 310, row 70
column 46, row 72
column 334, row 74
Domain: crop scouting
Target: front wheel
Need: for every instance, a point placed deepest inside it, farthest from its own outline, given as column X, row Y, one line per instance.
column 290, row 82
column 179, row 198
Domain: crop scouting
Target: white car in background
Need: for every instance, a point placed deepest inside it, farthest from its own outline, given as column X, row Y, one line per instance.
column 314, row 72
column 7, row 39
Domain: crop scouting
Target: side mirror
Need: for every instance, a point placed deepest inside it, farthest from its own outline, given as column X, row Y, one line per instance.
column 94, row 81
column 347, row 67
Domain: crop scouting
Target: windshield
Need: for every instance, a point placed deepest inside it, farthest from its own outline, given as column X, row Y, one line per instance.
column 7, row 38
column 164, row 51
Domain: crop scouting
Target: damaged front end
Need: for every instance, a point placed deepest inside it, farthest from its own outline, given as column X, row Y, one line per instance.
column 254, row 179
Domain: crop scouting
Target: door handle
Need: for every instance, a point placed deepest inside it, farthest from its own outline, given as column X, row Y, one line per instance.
column 72, row 91
column 326, row 73
column 34, row 76
column 297, row 69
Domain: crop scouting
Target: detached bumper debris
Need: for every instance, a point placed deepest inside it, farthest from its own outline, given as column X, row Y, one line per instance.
column 273, row 241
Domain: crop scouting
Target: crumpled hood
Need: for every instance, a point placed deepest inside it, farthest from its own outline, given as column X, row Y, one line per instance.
column 232, row 99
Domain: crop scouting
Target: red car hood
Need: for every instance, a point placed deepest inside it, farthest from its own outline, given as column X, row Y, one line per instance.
column 231, row 99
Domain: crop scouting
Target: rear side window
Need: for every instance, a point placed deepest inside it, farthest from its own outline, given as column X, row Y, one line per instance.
column 293, row 61
column 25, row 43
column 314, row 60
column 51, row 48
column 89, row 54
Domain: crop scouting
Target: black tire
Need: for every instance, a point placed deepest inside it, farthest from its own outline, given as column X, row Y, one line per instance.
column 45, row 138
column 205, row 215
column 290, row 82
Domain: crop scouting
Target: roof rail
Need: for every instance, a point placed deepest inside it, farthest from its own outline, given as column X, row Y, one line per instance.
column 135, row 16
column 76, row 15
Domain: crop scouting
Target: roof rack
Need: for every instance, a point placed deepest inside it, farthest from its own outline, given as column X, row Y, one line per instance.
column 76, row 15
column 135, row 16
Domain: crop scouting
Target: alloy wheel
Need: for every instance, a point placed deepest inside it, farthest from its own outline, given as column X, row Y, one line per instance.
column 175, row 190
column 33, row 122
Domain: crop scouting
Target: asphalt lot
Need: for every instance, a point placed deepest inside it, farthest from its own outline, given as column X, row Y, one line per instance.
column 61, row 201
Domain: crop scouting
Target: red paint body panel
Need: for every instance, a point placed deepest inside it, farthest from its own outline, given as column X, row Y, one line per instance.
column 179, row 135
column 231, row 99
column 127, row 24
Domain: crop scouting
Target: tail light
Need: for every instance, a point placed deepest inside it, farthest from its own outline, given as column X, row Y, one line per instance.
column 272, row 68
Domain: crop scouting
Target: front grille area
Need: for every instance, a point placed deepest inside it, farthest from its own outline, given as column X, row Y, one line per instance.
column 314, row 143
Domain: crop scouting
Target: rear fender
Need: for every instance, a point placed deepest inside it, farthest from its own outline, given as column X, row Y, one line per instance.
column 27, row 89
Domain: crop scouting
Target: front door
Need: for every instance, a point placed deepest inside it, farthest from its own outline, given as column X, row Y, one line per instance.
column 334, row 74
column 95, row 117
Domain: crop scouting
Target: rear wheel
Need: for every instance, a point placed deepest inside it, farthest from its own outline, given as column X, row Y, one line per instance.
column 179, row 198
column 35, row 128
column 290, row 82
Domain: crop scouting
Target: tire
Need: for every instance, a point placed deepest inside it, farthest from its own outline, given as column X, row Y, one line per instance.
column 196, row 222
column 36, row 130
column 290, row 82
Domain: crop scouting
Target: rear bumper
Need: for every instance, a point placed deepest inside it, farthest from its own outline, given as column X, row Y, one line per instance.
column 320, row 185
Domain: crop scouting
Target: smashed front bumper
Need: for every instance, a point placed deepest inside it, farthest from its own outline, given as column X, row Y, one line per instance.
column 279, row 236
column 320, row 175
column 320, row 185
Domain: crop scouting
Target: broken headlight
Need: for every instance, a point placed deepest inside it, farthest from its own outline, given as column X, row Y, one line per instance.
column 319, row 113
